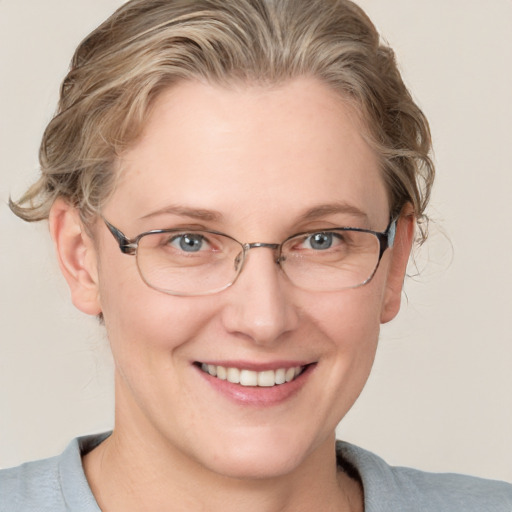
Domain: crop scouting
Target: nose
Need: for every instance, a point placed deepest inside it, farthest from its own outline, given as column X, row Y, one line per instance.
column 259, row 304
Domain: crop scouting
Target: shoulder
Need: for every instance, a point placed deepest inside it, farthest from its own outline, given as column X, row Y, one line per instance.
column 31, row 486
column 50, row 485
column 389, row 488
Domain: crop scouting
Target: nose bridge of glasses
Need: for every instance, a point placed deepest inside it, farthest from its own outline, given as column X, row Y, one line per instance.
column 255, row 245
column 264, row 245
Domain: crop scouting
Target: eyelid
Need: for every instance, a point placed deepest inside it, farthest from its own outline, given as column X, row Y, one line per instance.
column 325, row 225
column 304, row 234
column 181, row 234
column 335, row 233
column 331, row 229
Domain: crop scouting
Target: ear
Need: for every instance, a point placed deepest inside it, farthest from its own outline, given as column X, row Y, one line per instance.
column 398, row 264
column 76, row 254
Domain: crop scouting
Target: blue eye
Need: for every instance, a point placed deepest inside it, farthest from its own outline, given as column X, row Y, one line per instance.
column 320, row 241
column 188, row 242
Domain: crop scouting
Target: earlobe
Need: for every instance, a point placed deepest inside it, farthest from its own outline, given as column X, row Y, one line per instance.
column 398, row 265
column 76, row 255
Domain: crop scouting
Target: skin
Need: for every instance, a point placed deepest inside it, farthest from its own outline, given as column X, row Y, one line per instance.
column 261, row 158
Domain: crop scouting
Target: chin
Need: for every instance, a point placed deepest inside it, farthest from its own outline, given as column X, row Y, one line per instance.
column 255, row 466
column 258, row 456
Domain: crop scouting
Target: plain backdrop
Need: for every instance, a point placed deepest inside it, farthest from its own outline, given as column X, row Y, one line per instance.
column 440, row 396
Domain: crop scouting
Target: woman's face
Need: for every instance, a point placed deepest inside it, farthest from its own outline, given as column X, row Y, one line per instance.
column 260, row 164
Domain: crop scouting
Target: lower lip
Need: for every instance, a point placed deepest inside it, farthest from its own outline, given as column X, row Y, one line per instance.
column 258, row 395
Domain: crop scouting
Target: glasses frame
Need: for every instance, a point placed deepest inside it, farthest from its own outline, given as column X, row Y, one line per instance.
column 130, row 245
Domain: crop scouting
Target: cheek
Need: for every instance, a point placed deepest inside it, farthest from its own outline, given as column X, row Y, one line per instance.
column 140, row 320
column 351, row 318
column 350, row 323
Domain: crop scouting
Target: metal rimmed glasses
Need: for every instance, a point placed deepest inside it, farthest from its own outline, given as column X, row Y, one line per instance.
column 188, row 262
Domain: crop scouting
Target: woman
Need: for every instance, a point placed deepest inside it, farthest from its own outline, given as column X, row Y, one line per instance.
column 233, row 188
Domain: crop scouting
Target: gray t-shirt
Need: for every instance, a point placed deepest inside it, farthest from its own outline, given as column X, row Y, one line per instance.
column 58, row 484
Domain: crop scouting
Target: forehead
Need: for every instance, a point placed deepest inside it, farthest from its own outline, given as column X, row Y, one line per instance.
column 250, row 152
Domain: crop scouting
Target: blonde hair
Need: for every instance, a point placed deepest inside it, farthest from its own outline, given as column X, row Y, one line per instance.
column 148, row 45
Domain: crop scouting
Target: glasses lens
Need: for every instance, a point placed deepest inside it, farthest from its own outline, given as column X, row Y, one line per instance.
column 331, row 260
column 187, row 262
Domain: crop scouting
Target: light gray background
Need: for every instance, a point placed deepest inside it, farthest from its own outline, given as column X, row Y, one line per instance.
column 440, row 397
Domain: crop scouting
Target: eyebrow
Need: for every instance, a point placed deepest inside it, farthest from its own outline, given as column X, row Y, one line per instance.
column 313, row 213
column 183, row 211
column 333, row 208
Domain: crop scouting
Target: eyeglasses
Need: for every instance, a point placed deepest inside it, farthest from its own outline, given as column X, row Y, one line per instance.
column 200, row 262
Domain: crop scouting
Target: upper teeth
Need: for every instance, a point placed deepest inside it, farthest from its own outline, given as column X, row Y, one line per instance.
column 266, row 378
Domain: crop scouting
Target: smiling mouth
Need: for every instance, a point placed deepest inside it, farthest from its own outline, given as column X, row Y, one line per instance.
column 267, row 378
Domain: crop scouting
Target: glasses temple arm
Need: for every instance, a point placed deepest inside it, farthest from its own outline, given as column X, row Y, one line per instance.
column 127, row 246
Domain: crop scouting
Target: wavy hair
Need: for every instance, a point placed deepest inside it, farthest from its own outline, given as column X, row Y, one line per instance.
column 147, row 46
